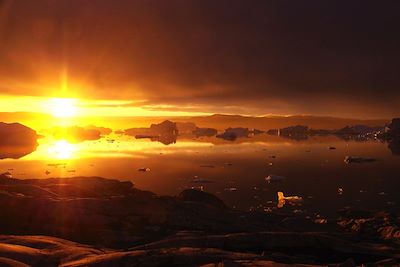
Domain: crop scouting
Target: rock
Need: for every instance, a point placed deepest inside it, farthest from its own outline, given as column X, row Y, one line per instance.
column 189, row 250
column 201, row 197
column 347, row 263
column 274, row 178
column 192, row 229
column 380, row 225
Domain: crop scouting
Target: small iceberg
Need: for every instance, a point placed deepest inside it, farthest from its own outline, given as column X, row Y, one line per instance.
column 293, row 200
column 353, row 159
column 274, row 178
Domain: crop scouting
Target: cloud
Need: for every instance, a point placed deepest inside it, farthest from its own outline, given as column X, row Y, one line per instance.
column 273, row 57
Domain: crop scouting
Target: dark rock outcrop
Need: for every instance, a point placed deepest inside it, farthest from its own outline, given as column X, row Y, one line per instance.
column 45, row 251
column 192, row 229
column 193, row 195
column 371, row 225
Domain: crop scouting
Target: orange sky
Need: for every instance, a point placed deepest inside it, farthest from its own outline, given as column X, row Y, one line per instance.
column 180, row 57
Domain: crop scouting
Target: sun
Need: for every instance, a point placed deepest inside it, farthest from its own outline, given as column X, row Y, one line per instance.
column 63, row 107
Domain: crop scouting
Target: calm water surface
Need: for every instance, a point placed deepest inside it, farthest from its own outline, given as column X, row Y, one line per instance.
column 234, row 171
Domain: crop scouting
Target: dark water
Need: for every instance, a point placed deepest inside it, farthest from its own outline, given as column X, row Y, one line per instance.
column 234, row 171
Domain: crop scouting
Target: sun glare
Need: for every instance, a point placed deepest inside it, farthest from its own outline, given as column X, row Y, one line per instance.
column 62, row 150
column 63, row 107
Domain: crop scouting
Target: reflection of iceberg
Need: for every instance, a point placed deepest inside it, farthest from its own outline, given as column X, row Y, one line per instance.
column 16, row 140
column 15, row 152
column 76, row 134
column 165, row 139
column 232, row 134
column 198, row 132
column 165, row 132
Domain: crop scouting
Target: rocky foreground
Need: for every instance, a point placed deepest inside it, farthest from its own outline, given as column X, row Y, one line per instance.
column 111, row 223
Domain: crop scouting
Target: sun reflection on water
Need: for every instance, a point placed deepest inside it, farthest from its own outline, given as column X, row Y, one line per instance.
column 62, row 149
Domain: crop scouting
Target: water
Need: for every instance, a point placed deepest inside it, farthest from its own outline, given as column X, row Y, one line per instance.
column 234, row 171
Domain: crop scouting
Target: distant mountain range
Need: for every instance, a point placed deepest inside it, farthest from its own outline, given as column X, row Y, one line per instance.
column 218, row 121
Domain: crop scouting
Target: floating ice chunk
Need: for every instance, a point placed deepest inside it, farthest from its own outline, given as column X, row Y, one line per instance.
column 293, row 200
column 321, row 221
column 7, row 175
column 274, row 178
column 340, row 191
column 231, row 189
column 200, row 181
column 353, row 159
column 207, row 166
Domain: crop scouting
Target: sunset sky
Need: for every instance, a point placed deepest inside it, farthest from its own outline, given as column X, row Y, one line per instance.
column 183, row 57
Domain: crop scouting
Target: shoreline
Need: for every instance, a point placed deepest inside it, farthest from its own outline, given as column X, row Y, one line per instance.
column 114, row 215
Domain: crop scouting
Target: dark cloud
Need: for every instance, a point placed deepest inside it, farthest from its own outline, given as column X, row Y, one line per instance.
column 322, row 57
